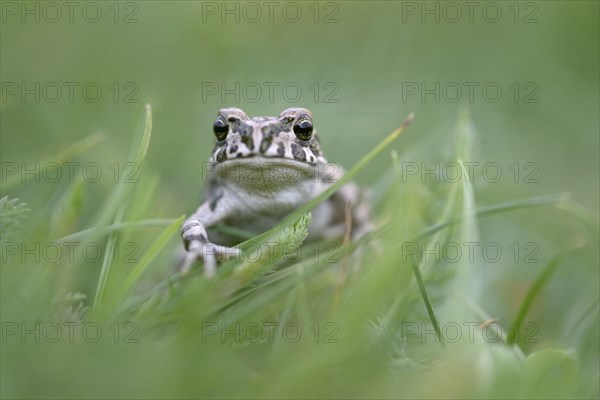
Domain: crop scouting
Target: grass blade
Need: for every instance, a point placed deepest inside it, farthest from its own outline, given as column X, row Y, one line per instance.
column 586, row 217
column 468, row 218
column 533, row 291
column 107, row 262
column 427, row 301
column 118, row 200
column 499, row 208
column 68, row 209
column 143, row 264
column 137, row 153
column 94, row 233
column 68, row 153
column 347, row 177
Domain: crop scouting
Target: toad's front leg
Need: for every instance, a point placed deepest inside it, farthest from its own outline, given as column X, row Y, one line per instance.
column 196, row 242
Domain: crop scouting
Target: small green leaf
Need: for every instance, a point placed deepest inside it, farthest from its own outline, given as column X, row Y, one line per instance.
column 549, row 374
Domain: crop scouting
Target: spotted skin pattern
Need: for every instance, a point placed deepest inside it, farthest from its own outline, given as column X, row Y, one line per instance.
column 262, row 169
column 267, row 137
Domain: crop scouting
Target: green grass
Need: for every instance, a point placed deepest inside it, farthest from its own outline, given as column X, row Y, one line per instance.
column 168, row 335
column 161, row 332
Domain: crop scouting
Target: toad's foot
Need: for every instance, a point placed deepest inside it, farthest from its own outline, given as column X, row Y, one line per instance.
column 210, row 254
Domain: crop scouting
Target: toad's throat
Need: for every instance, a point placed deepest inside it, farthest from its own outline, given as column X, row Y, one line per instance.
column 259, row 174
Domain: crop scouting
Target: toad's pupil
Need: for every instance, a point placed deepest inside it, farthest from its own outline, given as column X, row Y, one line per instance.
column 303, row 130
column 221, row 129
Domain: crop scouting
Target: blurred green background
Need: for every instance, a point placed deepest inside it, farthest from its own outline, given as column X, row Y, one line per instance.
column 355, row 63
column 170, row 52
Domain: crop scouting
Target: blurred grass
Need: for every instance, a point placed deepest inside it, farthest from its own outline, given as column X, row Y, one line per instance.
column 366, row 350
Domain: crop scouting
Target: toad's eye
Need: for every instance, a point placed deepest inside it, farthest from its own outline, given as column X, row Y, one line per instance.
column 220, row 128
column 303, row 129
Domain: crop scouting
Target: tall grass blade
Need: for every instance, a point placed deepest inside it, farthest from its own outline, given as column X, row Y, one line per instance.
column 427, row 302
column 107, row 262
column 94, row 233
column 139, row 269
column 68, row 209
column 137, row 152
column 67, row 154
column 533, row 292
column 350, row 174
column 118, row 202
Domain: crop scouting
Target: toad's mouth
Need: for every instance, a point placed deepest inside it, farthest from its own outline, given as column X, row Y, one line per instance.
column 264, row 172
column 258, row 162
